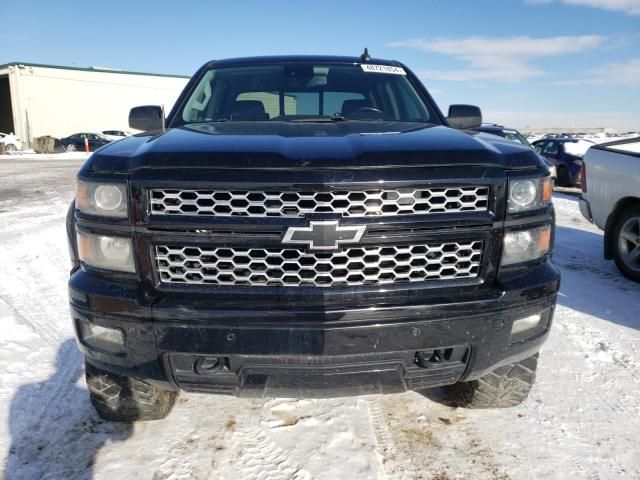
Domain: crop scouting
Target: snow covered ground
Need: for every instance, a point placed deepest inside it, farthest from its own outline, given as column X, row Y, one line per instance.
column 582, row 420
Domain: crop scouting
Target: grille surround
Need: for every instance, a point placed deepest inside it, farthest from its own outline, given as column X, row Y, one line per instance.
column 290, row 267
column 348, row 203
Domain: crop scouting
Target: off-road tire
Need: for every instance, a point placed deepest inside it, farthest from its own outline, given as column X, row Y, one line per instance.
column 620, row 220
column 123, row 399
column 505, row 387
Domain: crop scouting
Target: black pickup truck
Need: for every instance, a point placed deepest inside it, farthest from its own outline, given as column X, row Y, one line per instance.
column 309, row 226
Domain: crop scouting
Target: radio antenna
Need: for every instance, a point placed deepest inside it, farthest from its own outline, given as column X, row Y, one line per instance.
column 365, row 56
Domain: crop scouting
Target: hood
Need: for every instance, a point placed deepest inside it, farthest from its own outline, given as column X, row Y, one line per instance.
column 287, row 145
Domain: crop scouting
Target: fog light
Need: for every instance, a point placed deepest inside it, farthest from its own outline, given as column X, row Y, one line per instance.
column 525, row 324
column 102, row 338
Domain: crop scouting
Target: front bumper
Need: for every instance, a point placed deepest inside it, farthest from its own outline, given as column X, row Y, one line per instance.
column 311, row 352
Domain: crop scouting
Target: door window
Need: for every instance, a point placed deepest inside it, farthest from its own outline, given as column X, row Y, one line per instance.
column 551, row 149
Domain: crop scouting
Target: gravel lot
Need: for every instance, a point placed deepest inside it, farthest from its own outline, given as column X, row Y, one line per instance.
column 582, row 420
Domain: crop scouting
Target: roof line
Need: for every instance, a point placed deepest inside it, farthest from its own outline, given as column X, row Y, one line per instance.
column 298, row 58
column 90, row 69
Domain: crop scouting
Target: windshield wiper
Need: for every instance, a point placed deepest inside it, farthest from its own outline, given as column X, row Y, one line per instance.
column 216, row 120
column 334, row 118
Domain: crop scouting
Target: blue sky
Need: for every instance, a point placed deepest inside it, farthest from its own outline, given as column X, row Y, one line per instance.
column 525, row 62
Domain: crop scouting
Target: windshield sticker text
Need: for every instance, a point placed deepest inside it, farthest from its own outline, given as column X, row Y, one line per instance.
column 383, row 69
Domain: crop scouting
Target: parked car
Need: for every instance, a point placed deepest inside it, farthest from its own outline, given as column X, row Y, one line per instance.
column 611, row 200
column 309, row 225
column 10, row 141
column 508, row 133
column 114, row 134
column 566, row 154
column 75, row 142
column 515, row 136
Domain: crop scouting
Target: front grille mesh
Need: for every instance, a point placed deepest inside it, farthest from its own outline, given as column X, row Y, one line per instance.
column 295, row 268
column 348, row 203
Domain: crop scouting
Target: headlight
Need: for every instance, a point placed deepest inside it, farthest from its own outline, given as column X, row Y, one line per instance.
column 106, row 252
column 525, row 245
column 529, row 194
column 103, row 199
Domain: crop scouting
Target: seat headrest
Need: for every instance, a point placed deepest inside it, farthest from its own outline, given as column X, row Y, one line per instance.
column 248, row 110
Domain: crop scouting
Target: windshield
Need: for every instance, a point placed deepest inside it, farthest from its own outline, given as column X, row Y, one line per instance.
column 516, row 136
column 305, row 93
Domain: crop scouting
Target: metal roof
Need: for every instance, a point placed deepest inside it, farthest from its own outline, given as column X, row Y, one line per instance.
column 90, row 69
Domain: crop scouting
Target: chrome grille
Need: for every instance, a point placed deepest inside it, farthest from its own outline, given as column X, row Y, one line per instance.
column 349, row 203
column 294, row 268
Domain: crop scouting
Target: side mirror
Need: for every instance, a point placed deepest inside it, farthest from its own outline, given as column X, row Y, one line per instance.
column 146, row 118
column 464, row 117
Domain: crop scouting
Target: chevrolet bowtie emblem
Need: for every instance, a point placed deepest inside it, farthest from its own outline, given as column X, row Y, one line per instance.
column 323, row 235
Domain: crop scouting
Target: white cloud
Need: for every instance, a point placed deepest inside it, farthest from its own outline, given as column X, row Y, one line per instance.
column 618, row 73
column 506, row 59
column 622, row 73
column 503, row 72
column 630, row 7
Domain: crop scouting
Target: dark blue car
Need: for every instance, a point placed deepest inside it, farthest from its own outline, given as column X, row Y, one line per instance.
column 567, row 160
column 515, row 136
column 75, row 142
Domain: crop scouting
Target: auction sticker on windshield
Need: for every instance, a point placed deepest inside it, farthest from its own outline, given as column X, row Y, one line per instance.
column 383, row 69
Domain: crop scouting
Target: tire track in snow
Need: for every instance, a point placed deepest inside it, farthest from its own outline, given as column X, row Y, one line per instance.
column 396, row 465
column 48, row 333
column 37, row 266
column 253, row 455
column 422, row 439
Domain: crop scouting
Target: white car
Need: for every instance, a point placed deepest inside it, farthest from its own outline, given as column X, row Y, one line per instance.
column 11, row 142
column 114, row 135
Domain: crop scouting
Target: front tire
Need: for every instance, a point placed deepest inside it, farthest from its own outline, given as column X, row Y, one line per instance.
column 71, row 147
column 123, row 399
column 626, row 242
column 505, row 387
column 564, row 179
column 10, row 147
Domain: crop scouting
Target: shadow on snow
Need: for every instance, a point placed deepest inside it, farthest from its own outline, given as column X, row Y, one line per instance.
column 55, row 432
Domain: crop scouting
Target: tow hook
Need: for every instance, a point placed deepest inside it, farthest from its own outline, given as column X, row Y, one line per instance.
column 429, row 358
column 210, row 365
